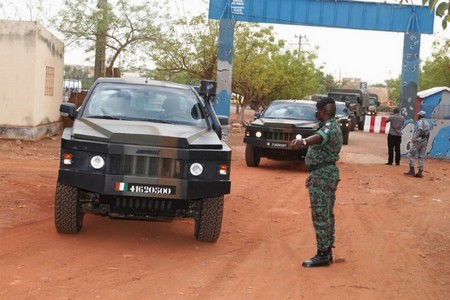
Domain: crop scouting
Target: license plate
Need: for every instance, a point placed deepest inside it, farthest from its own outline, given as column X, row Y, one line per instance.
column 145, row 188
column 278, row 145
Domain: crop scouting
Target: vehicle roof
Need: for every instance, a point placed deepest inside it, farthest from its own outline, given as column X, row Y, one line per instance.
column 142, row 80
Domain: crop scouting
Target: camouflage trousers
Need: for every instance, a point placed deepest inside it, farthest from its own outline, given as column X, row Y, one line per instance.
column 322, row 184
column 418, row 149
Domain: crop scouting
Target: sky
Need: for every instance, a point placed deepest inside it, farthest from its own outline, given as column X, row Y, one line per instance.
column 376, row 57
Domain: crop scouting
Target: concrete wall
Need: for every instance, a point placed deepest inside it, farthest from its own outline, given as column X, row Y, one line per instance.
column 32, row 61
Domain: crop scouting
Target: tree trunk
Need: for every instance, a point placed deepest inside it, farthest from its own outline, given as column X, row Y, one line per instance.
column 100, row 45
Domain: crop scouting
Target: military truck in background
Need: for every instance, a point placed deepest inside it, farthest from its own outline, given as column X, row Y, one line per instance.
column 373, row 104
column 357, row 101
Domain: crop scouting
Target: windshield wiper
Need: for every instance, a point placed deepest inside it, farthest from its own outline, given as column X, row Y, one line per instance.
column 107, row 117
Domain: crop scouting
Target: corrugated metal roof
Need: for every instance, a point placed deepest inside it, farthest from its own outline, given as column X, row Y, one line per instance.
column 432, row 91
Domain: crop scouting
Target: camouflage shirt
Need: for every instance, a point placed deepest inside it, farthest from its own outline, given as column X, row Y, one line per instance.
column 328, row 151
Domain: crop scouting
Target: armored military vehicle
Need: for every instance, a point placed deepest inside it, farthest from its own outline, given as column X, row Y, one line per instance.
column 270, row 134
column 144, row 150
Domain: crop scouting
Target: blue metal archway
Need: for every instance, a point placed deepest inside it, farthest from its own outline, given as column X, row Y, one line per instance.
column 411, row 19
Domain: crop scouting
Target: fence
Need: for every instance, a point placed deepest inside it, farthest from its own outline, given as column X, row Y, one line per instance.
column 76, row 85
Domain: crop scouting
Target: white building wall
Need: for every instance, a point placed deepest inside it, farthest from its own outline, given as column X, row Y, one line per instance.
column 27, row 49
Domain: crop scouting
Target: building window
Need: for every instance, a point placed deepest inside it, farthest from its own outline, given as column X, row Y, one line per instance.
column 49, row 81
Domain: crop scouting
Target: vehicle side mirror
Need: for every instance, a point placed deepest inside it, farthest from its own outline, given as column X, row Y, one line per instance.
column 223, row 120
column 68, row 110
column 257, row 115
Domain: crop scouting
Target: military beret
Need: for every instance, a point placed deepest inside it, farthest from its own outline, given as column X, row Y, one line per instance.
column 324, row 101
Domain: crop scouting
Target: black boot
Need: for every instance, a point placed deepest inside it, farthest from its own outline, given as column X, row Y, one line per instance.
column 419, row 174
column 411, row 171
column 322, row 258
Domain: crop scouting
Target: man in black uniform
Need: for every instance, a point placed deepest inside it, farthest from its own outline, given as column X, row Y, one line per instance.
column 323, row 152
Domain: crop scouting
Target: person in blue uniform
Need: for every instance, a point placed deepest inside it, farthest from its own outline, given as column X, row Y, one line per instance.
column 419, row 143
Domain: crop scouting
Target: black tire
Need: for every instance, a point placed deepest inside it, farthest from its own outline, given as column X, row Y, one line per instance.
column 252, row 156
column 345, row 136
column 361, row 124
column 68, row 213
column 352, row 123
column 209, row 221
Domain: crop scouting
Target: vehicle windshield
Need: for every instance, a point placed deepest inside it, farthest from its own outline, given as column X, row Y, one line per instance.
column 145, row 103
column 341, row 109
column 372, row 101
column 290, row 110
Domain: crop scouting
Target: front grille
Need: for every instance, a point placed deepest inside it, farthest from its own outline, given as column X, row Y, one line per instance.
column 145, row 166
column 147, row 208
column 128, row 204
column 280, row 136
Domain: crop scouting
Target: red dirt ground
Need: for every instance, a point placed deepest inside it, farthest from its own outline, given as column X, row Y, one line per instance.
column 392, row 230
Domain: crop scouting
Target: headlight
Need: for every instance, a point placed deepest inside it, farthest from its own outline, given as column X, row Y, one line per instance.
column 298, row 137
column 196, row 169
column 258, row 134
column 68, row 158
column 97, row 162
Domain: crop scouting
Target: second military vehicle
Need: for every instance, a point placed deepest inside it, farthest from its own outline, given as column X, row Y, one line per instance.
column 373, row 104
column 357, row 101
column 270, row 134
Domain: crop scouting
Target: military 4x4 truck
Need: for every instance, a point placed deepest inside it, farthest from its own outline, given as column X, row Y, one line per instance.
column 144, row 150
column 357, row 101
column 270, row 134
column 373, row 104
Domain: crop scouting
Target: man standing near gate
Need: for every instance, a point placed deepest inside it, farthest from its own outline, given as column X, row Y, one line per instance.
column 323, row 152
column 394, row 138
column 419, row 143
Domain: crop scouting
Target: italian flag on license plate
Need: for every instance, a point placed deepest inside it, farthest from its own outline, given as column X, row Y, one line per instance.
column 121, row 186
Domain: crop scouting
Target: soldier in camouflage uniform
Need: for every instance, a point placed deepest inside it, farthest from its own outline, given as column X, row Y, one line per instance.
column 419, row 143
column 323, row 152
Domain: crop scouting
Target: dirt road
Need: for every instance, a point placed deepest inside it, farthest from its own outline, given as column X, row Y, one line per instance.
column 392, row 230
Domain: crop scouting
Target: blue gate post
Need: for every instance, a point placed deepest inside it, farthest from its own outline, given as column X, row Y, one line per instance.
column 410, row 68
column 225, row 66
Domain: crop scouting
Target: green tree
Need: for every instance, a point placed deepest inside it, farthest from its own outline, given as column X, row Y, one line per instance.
column 327, row 82
column 188, row 50
column 394, row 86
column 126, row 27
column 262, row 69
column 436, row 71
column 253, row 49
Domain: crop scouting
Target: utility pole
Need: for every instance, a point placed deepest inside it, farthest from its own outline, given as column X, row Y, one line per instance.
column 300, row 37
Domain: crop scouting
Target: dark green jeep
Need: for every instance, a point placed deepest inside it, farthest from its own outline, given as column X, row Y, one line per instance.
column 144, row 150
column 270, row 134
